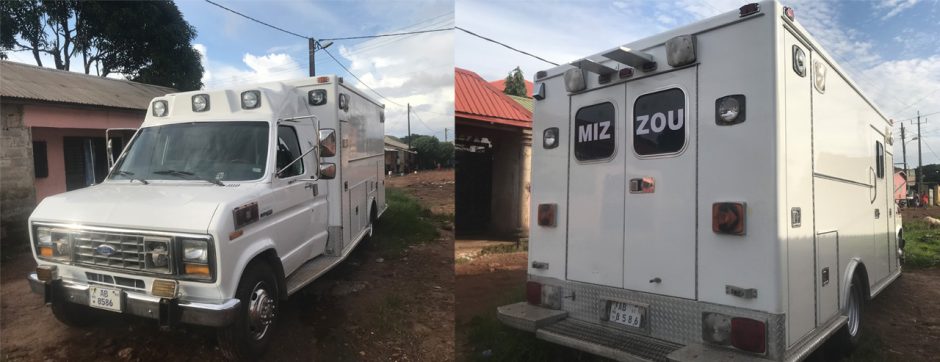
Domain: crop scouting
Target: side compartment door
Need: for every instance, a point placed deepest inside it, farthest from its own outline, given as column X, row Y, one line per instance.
column 595, row 199
column 294, row 193
column 660, row 159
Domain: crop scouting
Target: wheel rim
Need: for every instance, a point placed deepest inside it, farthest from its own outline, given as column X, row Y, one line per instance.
column 854, row 314
column 261, row 311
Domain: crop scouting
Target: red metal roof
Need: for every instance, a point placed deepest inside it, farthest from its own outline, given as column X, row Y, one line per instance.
column 477, row 99
column 501, row 84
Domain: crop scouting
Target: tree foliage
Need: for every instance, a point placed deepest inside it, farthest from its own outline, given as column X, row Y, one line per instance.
column 431, row 152
column 515, row 83
column 146, row 41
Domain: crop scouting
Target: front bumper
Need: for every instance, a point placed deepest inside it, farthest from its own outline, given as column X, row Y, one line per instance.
column 555, row 326
column 167, row 311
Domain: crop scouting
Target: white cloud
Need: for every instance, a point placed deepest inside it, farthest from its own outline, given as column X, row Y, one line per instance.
column 260, row 68
column 894, row 7
column 414, row 69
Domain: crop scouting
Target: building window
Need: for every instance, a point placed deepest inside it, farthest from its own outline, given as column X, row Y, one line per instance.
column 40, row 159
column 86, row 161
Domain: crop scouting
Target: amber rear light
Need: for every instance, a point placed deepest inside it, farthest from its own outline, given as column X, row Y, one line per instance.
column 533, row 293
column 45, row 251
column 548, row 214
column 729, row 217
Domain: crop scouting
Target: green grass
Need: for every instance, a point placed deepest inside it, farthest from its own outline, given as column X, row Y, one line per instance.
column 405, row 223
column 922, row 248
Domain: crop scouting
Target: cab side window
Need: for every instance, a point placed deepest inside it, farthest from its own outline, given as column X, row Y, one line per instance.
column 288, row 148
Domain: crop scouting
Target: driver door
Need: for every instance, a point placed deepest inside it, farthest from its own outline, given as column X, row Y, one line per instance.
column 296, row 195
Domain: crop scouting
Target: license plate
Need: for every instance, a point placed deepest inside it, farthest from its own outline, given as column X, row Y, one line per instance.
column 626, row 314
column 104, row 298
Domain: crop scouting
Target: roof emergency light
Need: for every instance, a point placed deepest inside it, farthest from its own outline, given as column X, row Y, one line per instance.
column 200, row 103
column 159, row 108
column 680, row 50
column 251, row 99
column 574, row 80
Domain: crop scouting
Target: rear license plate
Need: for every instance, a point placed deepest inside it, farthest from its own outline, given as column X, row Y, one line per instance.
column 626, row 314
column 104, row 298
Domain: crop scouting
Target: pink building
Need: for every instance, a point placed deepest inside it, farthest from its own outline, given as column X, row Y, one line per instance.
column 53, row 133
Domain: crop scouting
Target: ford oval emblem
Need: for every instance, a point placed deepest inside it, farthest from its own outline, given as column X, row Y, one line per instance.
column 104, row 249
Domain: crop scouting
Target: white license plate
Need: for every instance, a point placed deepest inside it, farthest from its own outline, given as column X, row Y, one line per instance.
column 626, row 314
column 104, row 298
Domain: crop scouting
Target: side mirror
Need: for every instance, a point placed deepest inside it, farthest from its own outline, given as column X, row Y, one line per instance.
column 327, row 171
column 327, row 143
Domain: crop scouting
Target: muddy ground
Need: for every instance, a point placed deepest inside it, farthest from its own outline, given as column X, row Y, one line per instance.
column 901, row 324
column 373, row 307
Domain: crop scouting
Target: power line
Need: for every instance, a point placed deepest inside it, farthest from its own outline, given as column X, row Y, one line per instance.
column 257, row 21
column 360, row 80
column 384, row 35
column 507, row 46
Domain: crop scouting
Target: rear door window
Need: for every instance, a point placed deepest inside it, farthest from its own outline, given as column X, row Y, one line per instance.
column 594, row 132
column 659, row 121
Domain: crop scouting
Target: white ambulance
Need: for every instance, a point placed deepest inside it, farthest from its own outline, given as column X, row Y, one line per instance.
column 223, row 204
column 718, row 191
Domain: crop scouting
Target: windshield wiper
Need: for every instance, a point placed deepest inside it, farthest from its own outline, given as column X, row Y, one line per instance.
column 130, row 175
column 188, row 175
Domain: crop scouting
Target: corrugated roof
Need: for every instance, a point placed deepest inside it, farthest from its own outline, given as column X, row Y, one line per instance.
column 501, row 85
column 474, row 98
column 528, row 103
column 394, row 143
column 26, row 81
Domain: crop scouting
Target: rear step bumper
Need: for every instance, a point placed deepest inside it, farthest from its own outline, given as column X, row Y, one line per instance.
column 555, row 326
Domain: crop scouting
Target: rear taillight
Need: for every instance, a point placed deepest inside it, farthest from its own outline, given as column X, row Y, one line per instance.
column 749, row 335
column 533, row 293
column 742, row 333
column 729, row 217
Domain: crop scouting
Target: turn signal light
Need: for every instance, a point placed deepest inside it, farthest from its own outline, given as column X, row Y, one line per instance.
column 547, row 214
column 749, row 335
column 164, row 288
column 728, row 217
column 533, row 293
column 322, row 80
column 47, row 273
column 45, row 251
column 197, row 269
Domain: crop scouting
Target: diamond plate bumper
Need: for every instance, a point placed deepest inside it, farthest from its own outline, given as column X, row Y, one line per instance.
column 167, row 311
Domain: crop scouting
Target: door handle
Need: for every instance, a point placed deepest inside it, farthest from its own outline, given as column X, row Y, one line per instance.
column 312, row 186
column 877, row 213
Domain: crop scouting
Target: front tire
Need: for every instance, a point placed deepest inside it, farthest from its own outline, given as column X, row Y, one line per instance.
column 248, row 337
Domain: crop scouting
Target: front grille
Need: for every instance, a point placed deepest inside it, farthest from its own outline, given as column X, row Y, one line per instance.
column 128, row 250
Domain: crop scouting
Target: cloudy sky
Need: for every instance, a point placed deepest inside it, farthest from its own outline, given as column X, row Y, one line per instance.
column 890, row 48
column 416, row 69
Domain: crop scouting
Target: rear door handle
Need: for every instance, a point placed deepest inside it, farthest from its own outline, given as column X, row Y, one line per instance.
column 877, row 213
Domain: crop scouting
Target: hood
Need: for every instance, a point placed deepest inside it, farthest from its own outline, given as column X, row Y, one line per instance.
column 164, row 207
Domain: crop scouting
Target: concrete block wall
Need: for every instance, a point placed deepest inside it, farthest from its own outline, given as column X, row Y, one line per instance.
column 17, row 194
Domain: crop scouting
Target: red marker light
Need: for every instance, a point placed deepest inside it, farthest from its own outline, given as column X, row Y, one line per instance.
column 728, row 218
column 547, row 214
column 749, row 335
column 788, row 11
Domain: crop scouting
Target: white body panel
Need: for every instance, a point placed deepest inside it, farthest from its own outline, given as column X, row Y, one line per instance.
column 799, row 150
column 298, row 215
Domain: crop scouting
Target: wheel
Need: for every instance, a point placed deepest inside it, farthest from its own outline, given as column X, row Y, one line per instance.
column 249, row 335
column 848, row 337
column 73, row 315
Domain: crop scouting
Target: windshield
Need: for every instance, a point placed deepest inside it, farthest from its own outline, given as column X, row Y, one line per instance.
column 210, row 151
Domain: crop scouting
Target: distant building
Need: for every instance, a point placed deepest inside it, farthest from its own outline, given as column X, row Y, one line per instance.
column 398, row 157
column 493, row 152
column 53, row 137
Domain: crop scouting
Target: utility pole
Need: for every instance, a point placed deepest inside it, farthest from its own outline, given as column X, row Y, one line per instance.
column 409, row 126
column 445, row 134
column 904, row 152
column 920, row 165
column 312, row 44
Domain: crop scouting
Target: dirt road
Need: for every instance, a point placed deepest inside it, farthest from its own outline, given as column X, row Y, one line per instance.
column 375, row 306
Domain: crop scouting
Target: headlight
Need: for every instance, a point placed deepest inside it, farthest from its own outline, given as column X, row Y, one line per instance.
column 157, row 255
column 196, row 259
column 51, row 244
